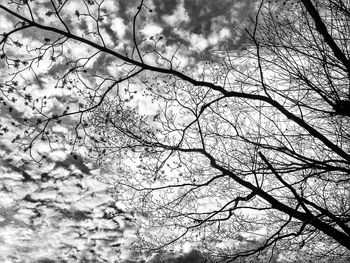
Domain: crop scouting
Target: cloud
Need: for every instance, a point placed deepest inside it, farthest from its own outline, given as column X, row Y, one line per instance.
column 57, row 155
column 178, row 16
column 193, row 256
column 217, row 37
column 151, row 30
column 119, row 27
column 199, row 41
column 5, row 24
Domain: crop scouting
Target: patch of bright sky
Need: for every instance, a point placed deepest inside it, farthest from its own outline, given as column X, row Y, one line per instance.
column 5, row 24
column 151, row 30
column 119, row 27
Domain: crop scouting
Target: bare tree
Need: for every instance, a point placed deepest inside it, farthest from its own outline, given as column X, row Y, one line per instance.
column 257, row 141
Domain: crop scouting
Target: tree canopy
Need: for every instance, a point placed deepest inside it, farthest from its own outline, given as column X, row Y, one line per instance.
column 240, row 149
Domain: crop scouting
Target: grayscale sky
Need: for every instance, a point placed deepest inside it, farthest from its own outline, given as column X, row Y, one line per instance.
column 61, row 208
